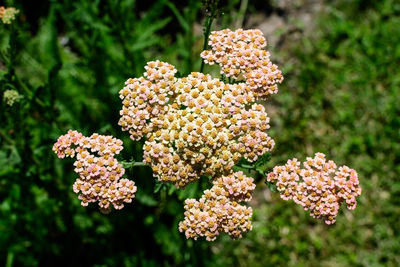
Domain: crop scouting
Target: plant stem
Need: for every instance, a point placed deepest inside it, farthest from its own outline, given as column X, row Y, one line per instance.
column 10, row 259
column 206, row 32
column 6, row 138
column 138, row 163
column 241, row 13
column 246, row 166
column 129, row 165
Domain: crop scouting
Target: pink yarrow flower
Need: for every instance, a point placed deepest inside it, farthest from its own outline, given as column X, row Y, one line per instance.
column 99, row 172
column 320, row 187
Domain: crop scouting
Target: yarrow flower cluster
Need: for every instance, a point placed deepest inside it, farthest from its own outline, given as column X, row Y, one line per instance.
column 219, row 209
column 240, row 54
column 11, row 97
column 99, row 172
column 320, row 187
column 198, row 125
column 195, row 125
column 7, row 15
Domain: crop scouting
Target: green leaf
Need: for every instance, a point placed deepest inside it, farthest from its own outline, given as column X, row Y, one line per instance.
column 146, row 37
column 157, row 187
column 263, row 159
column 178, row 15
column 271, row 186
column 146, row 199
column 189, row 192
column 262, row 163
column 171, row 190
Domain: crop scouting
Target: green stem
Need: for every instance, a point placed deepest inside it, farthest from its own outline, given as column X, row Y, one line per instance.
column 207, row 30
column 132, row 164
column 241, row 14
column 13, row 51
column 138, row 163
column 10, row 259
column 246, row 166
column 6, row 138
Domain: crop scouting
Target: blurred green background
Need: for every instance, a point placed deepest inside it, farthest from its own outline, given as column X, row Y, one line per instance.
column 69, row 59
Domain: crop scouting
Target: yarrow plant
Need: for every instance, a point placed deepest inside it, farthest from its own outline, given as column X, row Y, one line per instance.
column 203, row 126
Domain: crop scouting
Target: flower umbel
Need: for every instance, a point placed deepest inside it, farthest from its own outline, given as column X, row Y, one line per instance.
column 99, row 172
column 218, row 210
column 198, row 125
column 320, row 187
column 7, row 15
column 240, row 55
column 11, row 97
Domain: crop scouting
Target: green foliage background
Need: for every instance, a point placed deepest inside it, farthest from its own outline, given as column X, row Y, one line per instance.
column 69, row 59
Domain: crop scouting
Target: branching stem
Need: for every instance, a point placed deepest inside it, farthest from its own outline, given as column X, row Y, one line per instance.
column 138, row 163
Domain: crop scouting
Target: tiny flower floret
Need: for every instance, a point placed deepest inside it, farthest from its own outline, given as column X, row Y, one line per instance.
column 99, row 172
column 320, row 187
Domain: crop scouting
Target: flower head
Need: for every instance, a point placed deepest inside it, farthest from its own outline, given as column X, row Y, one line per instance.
column 240, row 55
column 11, row 97
column 198, row 125
column 7, row 15
column 320, row 187
column 219, row 209
column 100, row 175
